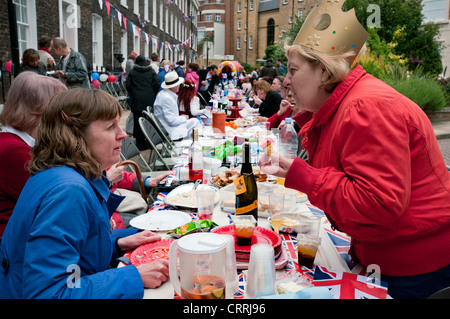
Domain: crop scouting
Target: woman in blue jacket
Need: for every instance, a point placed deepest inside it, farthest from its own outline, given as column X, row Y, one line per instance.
column 58, row 242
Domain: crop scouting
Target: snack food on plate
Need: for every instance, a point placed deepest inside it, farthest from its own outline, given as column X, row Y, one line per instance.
column 229, row 175
column 193, row 227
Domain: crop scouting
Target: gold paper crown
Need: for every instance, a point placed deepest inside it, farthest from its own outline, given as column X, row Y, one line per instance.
column 332, row 31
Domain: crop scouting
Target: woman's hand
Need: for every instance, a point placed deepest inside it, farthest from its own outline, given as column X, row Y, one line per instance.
column 115, row 174
column 155, row 273
column 155, row 180
column 284, row 106
column 261, row 119
column 133, row 241
column 275, row 165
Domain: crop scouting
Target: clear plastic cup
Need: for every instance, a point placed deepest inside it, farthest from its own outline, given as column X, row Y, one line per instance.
column 244, row 226
column 261, row 272
column 205, row 203
column 231, row 276
column 307, row 249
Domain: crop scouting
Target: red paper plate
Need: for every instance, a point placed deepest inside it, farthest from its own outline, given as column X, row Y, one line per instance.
column 260, row 235
column 150, row 252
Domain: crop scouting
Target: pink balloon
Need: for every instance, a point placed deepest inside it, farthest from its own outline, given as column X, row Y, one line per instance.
column 9, row 66
column 95, row 83
column 111, row 78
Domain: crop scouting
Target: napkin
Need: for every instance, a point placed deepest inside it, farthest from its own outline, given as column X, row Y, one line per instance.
column 305, row 293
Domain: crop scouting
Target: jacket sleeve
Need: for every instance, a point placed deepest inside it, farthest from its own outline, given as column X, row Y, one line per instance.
column 372, row 187
column 59, row 232
column 79, row 71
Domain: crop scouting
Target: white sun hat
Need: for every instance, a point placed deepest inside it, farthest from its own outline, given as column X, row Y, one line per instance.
column 171, row 79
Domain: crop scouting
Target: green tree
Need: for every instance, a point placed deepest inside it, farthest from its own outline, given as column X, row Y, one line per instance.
column 418, row 41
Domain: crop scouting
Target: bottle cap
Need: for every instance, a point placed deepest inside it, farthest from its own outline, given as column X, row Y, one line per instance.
column 288, row 120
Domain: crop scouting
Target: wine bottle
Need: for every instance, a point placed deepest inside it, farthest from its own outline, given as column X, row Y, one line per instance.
column 246, row 188
column 195, row 158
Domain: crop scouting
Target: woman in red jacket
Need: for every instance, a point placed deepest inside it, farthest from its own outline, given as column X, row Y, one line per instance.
column 27, row 98
column 374, row 168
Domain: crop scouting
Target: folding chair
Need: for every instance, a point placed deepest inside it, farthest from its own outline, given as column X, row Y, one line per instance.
column 153, row 138
column 129, row 151
column 169, row 147
column 119, row 98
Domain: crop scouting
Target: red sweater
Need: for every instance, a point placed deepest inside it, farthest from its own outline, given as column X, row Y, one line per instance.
column 376, row 170
column 14, row 156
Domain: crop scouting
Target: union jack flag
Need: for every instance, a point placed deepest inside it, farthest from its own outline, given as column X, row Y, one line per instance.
column 344, row 285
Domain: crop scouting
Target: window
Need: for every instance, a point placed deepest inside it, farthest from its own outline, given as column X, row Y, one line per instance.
column 136, row 7
column 155, row 8
column 239, row 23
column 136, row 44
column 26, row 24
column 270, row 32
column 239, row 7
column 124, row 3
column 208, row 17
column 124, row 45
column 238, row 43
column 69, row 22
column 97, row 41
column 146, row 9
column 251, row 4
column 161, row 13
column 300, row 12
column 250, row 42
column 285, row 2
column 218, row 17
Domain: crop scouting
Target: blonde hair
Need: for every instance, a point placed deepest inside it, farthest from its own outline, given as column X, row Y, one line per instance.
column 61, row 136
column 27, row 98
column 338, row 67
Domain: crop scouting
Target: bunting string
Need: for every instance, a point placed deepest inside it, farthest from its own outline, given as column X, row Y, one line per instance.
column 136, row 30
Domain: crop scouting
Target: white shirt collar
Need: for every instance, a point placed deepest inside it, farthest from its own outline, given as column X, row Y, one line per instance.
column 24, row 136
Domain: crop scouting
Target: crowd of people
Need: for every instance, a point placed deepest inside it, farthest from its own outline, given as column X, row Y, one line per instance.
column 374, row 167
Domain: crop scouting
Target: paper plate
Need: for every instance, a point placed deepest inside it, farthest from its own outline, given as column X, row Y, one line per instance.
column 260, row 235
column 181, row 196
column 150, row 252
column 161, row 220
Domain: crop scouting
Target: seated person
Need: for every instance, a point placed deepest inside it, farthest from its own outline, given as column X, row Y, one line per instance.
column 58, row 242
column 166, row 108
column 21, row 117
column 188, row 101
column 267, row 98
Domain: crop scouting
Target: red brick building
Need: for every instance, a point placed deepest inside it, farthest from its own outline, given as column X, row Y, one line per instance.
column 100, row 29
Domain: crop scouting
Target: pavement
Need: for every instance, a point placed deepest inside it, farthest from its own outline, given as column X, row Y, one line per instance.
column 441, row 129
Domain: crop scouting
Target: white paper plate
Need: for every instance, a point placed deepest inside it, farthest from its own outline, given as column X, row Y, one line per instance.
column 161, row 220
column 177, row 196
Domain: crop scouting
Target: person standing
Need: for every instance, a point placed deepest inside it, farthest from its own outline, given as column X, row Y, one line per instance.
column 130, row 63
column 268, row 70
column 45, row 55
column 208, row 79
column 155, row 62
column 179, row 68
column 281, row 68
column 142, row 84
column 72, row 67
